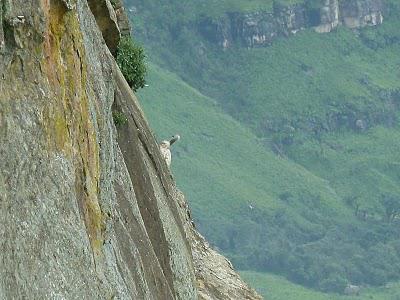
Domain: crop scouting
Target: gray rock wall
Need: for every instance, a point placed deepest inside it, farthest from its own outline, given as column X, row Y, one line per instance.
column 253, row 29
column 327, row 16
column 357, row 13
column 290, row 18
column 261, row 28
column 87, row 210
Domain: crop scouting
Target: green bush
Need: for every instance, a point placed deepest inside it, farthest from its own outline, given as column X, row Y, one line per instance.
column 130, row 59
column 119, row 118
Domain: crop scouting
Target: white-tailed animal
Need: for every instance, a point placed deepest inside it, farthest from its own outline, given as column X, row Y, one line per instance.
column 165, row 148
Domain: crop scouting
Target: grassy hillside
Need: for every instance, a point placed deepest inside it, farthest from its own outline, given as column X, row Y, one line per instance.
column 263, row 211
column 274, row 287
column 217, row 153
column 289, row 154
column 178, row 11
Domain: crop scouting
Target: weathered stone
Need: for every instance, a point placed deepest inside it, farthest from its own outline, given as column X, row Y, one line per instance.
column 261, row 28
column 86, row 211
column 326, row 16
column 158, row 208
column 218, row 31
column 257, row 29
column 360, row 13
column 107, row 21
column 290, row 18
column 1, row 28
column 69, row 4
column 123, row 21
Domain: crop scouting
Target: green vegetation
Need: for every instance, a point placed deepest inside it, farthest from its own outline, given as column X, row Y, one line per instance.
column 119, row 118
column 274, row 287
column 289, row 155
column 297, row 214
column 130, row 59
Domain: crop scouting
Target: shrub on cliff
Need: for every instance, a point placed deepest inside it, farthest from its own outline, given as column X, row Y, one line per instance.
column 130, row 59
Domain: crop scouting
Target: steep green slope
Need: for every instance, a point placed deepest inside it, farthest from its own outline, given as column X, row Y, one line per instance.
column 173, row 11
column 265, row 212
column 305, row 182
column 309, row 82
column 277, row 288
column 217, row 154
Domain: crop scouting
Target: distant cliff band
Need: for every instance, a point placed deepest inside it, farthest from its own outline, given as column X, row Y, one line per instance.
column 260, row 28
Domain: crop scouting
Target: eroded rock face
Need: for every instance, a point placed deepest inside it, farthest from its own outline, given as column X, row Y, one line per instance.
column 249, row 30
column 1, row 29
column 87, row 210
column 357, row 13
column 290, row 18
column 107, row 21
column 255, row 29
column 261, row 28
column 325, row 17
column 218, row 31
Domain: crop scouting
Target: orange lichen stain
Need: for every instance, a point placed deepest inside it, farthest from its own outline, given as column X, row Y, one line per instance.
column 61, row 131
column 68, row 122
column 96, row 225
column 56, row 13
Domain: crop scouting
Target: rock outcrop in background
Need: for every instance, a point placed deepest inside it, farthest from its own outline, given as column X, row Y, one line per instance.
column 260, row 28
column 88, row 210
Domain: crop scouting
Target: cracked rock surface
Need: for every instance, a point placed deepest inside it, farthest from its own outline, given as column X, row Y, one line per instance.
column 87, row 210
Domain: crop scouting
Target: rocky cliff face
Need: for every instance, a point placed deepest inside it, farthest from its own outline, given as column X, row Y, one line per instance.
column 260, row 28
column 356, row 13
column 325, row 16
column 87, row 210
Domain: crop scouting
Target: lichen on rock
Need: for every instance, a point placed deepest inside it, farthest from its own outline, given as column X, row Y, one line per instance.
column 88, row 210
